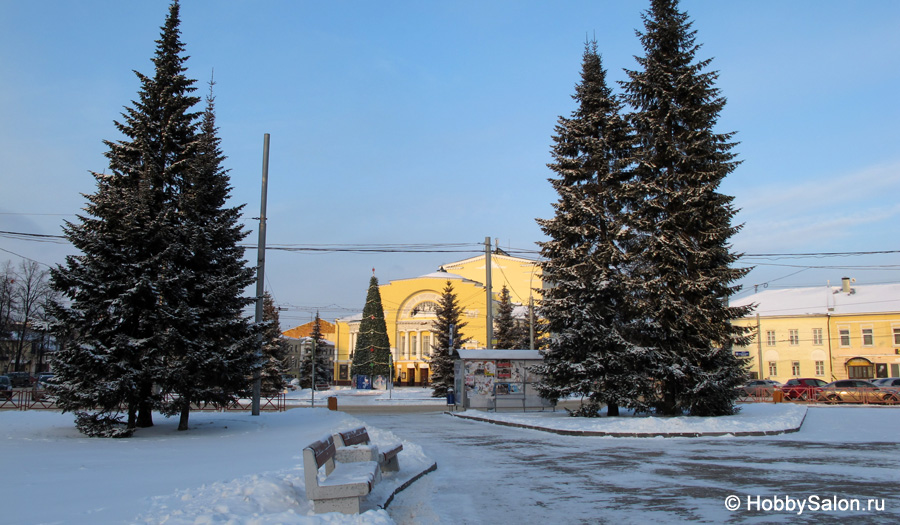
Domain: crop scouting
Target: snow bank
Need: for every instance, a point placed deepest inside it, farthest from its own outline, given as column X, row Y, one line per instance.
column 755, row 419
column 229, row 468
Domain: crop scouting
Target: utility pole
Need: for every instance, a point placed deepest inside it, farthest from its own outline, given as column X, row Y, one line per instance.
column 260, row 274
column 531, row 322
column 312, row 375
column 489, row 300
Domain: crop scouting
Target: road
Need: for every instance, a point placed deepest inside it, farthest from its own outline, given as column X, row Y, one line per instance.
column 492, row 474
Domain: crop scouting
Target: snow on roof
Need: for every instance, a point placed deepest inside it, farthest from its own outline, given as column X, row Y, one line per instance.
column 499, row 354
column 822, row 300
column 441, row 275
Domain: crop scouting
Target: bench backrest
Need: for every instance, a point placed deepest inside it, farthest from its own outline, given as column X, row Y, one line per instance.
column 356, row 436
column 323, row 453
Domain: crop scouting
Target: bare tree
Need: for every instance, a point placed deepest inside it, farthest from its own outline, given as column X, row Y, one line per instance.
column 30, row 292
column 7, row 279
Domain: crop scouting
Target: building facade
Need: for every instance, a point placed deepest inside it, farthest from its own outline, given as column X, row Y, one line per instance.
column 830, row 332
column 410, row 306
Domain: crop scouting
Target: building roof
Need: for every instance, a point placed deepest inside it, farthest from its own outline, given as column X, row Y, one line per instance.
column 305, row 330
column 499, row 354
column 822, row 300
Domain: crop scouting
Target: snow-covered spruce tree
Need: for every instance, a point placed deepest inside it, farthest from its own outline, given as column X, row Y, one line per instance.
column 682, row 274
column 533, row 322
column 274, row 349
column 448, row 338
column 505, row 328
column 115, row 286
column 585, row 307
column 210, row 345
column 372, row 355
column 324, row 372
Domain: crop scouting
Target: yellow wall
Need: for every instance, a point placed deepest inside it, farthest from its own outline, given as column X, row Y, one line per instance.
column 808, row 349
column 521, row 276
column 884, row 346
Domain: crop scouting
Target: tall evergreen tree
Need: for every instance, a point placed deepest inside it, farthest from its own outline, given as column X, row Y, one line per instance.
column 585, row 307
column 448, row 338
column 274, row 349
column 324, row 372
column 682, row 274
column 210, row 344
column 533, row 323
column 505, row 328
column 372, row 355
column 116, row 286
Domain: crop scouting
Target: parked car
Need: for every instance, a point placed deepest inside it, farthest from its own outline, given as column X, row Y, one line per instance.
column 19, row 379
column 802, row 388
column 891, row 384
column 6, row 389
column 39, row 389
column 758, row 388
column 855, row 391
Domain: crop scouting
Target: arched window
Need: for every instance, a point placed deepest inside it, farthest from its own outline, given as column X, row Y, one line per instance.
column 424, row 309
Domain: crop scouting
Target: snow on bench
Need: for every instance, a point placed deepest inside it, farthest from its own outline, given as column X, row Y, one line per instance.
column 343, row 484
column 354, row 445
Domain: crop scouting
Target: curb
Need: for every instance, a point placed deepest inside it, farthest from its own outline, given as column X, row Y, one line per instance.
column 409, row 482
column 592, row 433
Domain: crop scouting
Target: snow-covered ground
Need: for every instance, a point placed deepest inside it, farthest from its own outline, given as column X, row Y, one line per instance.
column 237, row 468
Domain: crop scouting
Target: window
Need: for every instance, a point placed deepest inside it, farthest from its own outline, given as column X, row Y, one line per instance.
column 795, row 368
column 773, row 369
column 897, row 336
column 794, row 336
column 404, row 350
column 770, row 337
column 817, row 336
column 860, row 372
column 845, row 336
column 868, row 337
column 820, row 368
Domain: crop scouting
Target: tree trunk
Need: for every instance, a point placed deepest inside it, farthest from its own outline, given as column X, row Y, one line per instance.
column 612, row 409
column 185, row 414
column 132, row 416
column 145, row 409
column 668, row 405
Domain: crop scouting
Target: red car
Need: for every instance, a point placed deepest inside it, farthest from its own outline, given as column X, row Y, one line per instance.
column 802, row 389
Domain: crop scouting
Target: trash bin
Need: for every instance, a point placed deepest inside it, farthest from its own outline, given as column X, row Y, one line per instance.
column 777, row 396
column 451, row 398
column 332, row 403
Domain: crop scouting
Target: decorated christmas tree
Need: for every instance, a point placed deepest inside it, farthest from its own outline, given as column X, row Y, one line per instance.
column 372, row 354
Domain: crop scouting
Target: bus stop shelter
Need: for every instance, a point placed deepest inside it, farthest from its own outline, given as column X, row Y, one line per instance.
column 497, row 380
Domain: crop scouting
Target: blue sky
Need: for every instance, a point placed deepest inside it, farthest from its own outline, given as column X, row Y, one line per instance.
column 399, row 122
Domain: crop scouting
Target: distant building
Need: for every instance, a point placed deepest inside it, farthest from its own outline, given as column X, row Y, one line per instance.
column 410, row 304
column 299, row 347
column 829, row 332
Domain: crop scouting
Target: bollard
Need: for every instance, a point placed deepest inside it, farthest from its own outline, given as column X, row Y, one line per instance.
column 332, row 403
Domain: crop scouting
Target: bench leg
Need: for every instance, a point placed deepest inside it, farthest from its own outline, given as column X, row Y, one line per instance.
column 344, row 505
column 391, row 465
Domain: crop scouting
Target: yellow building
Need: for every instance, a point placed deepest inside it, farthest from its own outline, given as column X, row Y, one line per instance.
column 828, row 332
column 410, row 305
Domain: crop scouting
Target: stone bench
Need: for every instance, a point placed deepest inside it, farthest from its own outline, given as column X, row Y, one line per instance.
column 343, row 485
column 354, row 445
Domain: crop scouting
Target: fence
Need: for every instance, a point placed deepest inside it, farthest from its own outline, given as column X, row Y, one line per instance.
column 29, row 400
column 830, row 396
